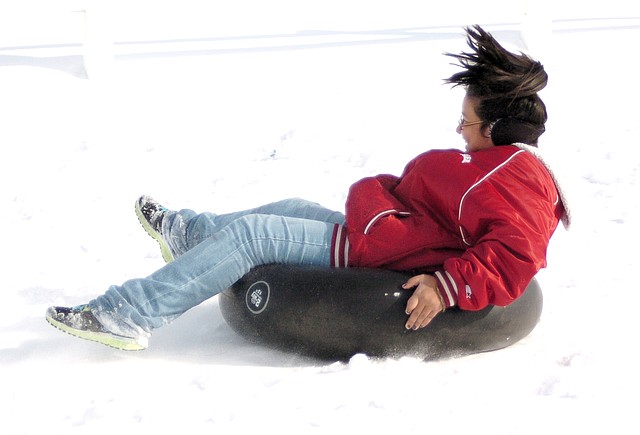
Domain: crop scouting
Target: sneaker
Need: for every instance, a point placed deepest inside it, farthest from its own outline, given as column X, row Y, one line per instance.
column 80, row 322
column 151, row 214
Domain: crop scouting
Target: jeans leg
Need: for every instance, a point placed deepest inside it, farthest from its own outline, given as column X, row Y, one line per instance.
column 213, row 266
column 185, row 229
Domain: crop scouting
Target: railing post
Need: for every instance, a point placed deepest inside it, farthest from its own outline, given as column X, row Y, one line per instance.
column 98, row 39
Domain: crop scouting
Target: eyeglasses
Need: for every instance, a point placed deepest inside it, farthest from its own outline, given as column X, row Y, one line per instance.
column 462, row 123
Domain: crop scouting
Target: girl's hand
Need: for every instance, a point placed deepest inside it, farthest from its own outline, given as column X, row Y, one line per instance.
column 425, row 303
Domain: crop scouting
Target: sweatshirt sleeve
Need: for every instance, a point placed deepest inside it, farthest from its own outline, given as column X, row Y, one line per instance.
column 370, row 199
column 508, row 238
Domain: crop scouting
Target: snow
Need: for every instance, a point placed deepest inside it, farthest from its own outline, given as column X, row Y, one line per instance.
column 225, row 105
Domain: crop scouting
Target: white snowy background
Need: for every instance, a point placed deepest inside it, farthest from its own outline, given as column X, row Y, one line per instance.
column 221, row 105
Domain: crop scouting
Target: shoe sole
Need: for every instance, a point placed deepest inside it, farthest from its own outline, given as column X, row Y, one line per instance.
column 111, row 340
column 167, row 256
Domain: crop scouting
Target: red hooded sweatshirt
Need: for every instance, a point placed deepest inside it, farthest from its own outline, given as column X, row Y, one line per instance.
column 479, row 221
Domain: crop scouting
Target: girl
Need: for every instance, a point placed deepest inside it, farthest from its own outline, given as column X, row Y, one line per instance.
column 474, row 225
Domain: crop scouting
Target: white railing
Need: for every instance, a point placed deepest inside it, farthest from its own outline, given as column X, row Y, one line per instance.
column 94, row 26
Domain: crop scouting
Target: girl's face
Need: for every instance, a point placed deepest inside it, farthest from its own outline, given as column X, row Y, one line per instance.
column 470, row 127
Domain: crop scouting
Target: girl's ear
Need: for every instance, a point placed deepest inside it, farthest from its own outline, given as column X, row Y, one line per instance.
column 507, row 131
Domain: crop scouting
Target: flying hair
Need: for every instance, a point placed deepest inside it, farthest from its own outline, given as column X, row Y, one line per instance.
column 491, row 71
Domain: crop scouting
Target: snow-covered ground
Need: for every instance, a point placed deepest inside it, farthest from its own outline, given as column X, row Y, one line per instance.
column 225, row 105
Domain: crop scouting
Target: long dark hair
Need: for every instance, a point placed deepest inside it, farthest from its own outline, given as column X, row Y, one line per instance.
column 506, row 86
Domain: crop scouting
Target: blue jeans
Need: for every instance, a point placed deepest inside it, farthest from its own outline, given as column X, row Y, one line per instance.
column 211, row 253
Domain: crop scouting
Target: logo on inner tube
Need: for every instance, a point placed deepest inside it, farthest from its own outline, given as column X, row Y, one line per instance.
column 257, row 297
